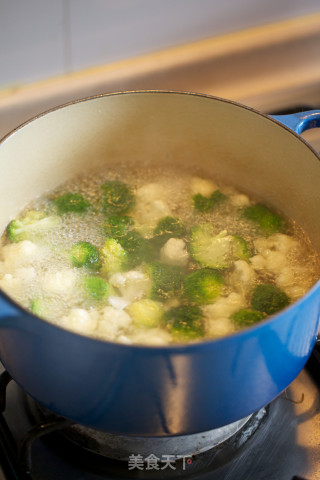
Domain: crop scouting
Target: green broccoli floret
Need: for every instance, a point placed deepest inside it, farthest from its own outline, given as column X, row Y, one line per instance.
column 97, row 288
column 39, row 307
column 71, row 203
column 262, row 216
column 139, row 249
column 146, row 313
column 269, row 299
column 207, row 204
column 84, row 254
column 185, row 322
column 246, row 317
column 168, row 227
column 203, row 286
column 113, row 257
column 240, row 248
column 117, row 226
column 216, row 251
column 166, row 280
column 117, row 198
column 33, row 226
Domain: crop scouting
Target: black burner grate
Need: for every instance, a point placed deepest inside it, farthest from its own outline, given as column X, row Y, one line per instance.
column 16, row 456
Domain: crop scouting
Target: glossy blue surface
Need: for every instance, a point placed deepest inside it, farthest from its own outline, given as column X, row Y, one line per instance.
column 160, row 391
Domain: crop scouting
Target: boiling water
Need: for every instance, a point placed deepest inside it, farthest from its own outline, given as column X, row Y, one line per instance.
column 42, row 269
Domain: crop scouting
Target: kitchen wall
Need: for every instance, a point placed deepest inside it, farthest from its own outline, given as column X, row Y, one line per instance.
column 43, row 38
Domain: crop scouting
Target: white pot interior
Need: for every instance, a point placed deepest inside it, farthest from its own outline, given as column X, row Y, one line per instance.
column 204, row 135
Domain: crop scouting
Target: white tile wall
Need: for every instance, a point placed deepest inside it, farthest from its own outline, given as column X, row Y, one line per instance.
column 43, row 38
column 31, row 40
column 105, row 31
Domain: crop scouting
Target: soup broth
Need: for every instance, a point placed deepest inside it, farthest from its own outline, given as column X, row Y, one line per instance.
column 155, row 258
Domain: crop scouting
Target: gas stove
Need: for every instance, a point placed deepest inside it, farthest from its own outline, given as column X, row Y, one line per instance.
column 280, row 442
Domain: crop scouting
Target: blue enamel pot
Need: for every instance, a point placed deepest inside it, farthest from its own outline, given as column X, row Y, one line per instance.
column 173, row 390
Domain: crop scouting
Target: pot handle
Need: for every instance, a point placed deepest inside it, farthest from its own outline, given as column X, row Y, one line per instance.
column 299, row 122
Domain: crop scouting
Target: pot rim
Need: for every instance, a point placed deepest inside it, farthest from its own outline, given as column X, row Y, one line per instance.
column 175, row 348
